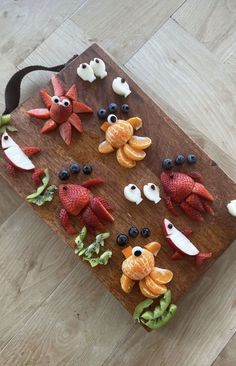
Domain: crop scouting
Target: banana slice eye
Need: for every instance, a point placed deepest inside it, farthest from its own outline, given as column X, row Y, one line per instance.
column 137, row 251
column 133, row 194
column 152, row 192
column 111, row 118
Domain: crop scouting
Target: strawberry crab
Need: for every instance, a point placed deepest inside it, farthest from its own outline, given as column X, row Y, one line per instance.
column 18, row 158
column 61, row 110
column 77, row 200
column 188, row 191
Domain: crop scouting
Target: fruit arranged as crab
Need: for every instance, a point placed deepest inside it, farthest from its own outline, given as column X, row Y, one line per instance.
column 120, row 135
column 192, row 196
column 61, row 110
column 77, row 200
column 139, row 265
column 18, row 158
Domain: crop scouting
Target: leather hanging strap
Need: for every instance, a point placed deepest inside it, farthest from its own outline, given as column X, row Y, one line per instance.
column 13, row 87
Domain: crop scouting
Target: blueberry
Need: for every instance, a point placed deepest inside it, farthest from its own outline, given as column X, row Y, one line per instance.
column 102, row 113
column 87, row 169
column 113, row 107
column 167, row 163
column 122, row 240
column 133, row 232
column 74, row 168
column 145, row 232
column 192, row 159
column 64, row 174
column 125, row 108
column 180, row 159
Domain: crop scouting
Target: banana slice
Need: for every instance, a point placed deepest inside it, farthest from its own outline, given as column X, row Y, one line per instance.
column 152, row 192
column 133, row 194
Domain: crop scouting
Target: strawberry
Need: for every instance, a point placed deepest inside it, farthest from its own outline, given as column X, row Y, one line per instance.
column 200, row 190
column 190, row 211
column 57, row 86
column 170, row 206
column 37, row 176
column 93, row 182
column 105, row 203
column 75, row 121
column 194, row 201
column 72, row 92
column 176, row 256
column 201, row 257
column 48, row 126
column 31, row 150
column 74, row 198
column 196, row 176
column 64, row 218
column 100, row 211
column 187, row 231
column 42, row 113
column 91, row 221
column 46, row 98
column 11, row 170
column 208, row 208
column 66, row 132
column 79, row 107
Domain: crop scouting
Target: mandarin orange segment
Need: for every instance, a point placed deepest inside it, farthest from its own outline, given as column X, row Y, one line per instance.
column 145, row 291
column 139, row 142
column 105, row 147
column 126, row 284
column 153, row 247
column 160, row 275
column 105, row 126
column 135, row 122
column 123, row 160
column 127, row 252
column 134, row 154
column 154, row 287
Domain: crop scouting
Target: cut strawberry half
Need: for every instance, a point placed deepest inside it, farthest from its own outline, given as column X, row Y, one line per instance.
column 90, row 220
column 48, row 126
column 46, row 98
column 57, row 86
column 100, row 211
column 66, row 132
column 79, row 107
column 41, row 113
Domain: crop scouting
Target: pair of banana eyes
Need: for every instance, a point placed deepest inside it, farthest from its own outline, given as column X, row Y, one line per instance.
column 65, row 102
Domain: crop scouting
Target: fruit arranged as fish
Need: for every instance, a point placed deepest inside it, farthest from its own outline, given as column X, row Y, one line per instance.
column 187, row 191
column 139, row 265
column 120, row 135
column 181, row 244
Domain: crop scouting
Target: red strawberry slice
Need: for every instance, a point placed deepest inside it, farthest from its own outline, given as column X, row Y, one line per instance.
column 90, row 220
column 64, row 218
column 66, row 132
column 72, row 92
column 57, row 86
column 75, row 121
column 194, row 201
column 93, row 182
column 176, row 256
column 201, row 257
column 11, row 169
column 202, row 191
column 31, row 150
column 191, row 212
column 37, row 176
column 100, row 211
column 196, row 176
column 208, row 208
column 187, row 231
column 48, row 126
column 74, row 198
column 79, row 107
column 169, row 206
column 46, row 98
column 41, row 113
column 105, row 203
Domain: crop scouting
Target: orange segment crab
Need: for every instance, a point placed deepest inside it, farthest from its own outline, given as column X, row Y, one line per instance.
column 139, row 265
column 120, row 135
column 60, row 110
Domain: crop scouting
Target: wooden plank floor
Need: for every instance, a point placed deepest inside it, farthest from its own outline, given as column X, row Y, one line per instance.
column 53, row 310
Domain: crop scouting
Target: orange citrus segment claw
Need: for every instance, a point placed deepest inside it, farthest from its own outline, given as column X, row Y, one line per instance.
column 126, row 284
column 153, row 247
column 105, row 147
column 139, row 142
column 123, row 160
column 105, row 126
column 135, row 122
column 145, row 291
column 154, row 287
column 160, row 275
column 127, row 252
column 133, row 154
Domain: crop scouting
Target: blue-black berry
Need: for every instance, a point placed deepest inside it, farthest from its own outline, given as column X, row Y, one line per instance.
column 122, row 240
column 64, row 174
column 192, row 159
column 125, row 108
column 167, row 163
column 113, row 107
column 87, row 169
column 133, row 232
column 74, row 168
column 145, row 232
column 180, row 159
column 102, row 113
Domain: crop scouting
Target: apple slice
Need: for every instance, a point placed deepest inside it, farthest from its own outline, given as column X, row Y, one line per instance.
column 14, row 154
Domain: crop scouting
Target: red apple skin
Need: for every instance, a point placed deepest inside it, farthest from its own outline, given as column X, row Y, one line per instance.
column 17, row 167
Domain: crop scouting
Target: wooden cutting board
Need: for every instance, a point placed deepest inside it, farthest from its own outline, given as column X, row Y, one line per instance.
column 215, row 235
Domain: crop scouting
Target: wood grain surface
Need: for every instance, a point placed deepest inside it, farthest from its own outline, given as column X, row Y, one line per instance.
column 216, row 235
